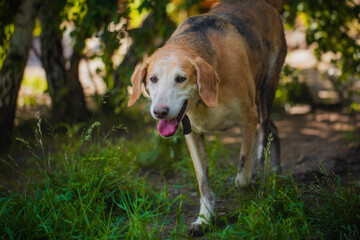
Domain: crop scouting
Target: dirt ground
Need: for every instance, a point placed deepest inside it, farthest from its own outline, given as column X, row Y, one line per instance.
column 323, row 138
column 327, row 138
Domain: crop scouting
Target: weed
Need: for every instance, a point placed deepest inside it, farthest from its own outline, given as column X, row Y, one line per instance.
column 95, row 194
column 336, row 209
column 90, row 189
column 272, row 208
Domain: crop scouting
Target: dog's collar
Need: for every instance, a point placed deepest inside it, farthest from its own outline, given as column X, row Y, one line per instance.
column 186, row 126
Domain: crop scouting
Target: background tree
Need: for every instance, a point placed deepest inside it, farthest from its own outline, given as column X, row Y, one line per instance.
column 332, row 26
column 67, row 96
column 13, row 67
column 87, row 18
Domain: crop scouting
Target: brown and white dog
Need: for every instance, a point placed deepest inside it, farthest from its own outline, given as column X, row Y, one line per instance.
column 218, row 70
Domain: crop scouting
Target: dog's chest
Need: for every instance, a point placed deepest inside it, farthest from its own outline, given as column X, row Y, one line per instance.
column 204, row 119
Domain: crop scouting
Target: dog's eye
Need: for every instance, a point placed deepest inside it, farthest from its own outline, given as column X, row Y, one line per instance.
column 180, row 79
column 153, row 79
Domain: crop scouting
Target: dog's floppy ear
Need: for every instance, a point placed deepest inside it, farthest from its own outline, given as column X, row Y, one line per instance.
column 207, row 81
column 137, row 79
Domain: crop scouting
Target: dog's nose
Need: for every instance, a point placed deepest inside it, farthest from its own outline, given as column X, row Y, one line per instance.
column 161, row 111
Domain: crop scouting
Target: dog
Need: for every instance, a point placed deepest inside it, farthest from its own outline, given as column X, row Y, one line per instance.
column 218, row 70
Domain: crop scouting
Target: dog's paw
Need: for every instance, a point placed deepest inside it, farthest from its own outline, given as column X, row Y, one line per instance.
column 197, row 230
column 242, row 181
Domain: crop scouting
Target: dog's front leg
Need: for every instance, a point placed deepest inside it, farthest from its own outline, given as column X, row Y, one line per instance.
column 196, row 145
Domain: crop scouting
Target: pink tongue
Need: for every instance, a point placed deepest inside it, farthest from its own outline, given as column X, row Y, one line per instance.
column 167, row 127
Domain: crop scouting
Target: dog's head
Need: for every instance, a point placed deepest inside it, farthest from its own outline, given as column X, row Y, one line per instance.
column 176, row 81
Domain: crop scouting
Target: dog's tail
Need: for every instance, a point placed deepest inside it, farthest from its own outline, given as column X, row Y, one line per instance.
column 278, row 4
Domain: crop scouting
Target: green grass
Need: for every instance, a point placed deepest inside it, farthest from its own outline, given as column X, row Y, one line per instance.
column 94, row 193
column 90, row 188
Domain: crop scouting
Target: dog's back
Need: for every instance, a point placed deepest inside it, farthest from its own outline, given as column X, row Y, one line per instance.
column 258, row 24
column 255, row 20
column 252, row 30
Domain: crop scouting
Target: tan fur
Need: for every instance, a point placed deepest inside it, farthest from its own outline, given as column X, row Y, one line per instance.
column 207, row 81
column 231, row 58
column 137, row 79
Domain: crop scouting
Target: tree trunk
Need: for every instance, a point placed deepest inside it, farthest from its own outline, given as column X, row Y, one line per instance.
column 52, row 58
column 67, row 97
column 13, row 67
column 75, row 89
column 54, row 65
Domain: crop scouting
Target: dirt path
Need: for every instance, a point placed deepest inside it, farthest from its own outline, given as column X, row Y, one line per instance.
column 330, row 139
column 327, row 138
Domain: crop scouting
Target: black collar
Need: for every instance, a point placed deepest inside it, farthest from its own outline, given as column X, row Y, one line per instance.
column 186, row 126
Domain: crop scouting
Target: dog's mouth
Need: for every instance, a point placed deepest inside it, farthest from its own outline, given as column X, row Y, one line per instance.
column 168, row 128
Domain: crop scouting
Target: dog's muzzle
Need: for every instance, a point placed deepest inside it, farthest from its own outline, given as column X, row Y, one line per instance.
column 168, row 127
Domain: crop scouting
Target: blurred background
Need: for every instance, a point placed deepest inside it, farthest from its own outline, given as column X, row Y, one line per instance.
column 70, row 61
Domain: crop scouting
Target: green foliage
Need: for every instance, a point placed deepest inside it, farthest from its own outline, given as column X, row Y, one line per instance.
column 8, row 11
column 334, row 27
column 93, row 18
column 161, row 27
column 8, row 31
column 38, row 85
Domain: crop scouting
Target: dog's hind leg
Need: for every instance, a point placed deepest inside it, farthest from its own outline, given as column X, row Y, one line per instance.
column 244, row 175
column 267, row 126
column 196, row 145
